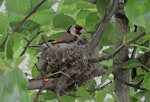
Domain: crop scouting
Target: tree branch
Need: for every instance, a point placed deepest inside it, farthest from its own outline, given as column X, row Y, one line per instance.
column 103, row 24
column 137, row 86
column 100, row 88
column 94, row 60
column 23, row 20
column 29, row 42
column 36, row 84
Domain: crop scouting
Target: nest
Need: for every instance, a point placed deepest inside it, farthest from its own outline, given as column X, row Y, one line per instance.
column 68, row 66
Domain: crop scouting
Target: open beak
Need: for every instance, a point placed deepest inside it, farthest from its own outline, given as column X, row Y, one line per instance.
column 83, row 31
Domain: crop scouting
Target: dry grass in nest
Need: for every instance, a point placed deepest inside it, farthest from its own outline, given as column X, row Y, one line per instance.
column 69, row 66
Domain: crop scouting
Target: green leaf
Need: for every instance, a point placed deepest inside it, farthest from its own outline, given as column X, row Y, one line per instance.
column 43, row 17
column 29, row 25
column 16, row 61
column 146, row 81
column 15, row 87
column 1, row 1
column 3, row 23
column 131, row 64
column 48, row 95
column 17, row 7
column 140, row 18
column 101, row 6
column 107, row 63
column 133, row 99
column 65, row 98
column 144, row 39
column 82, row 14
column 92, row 20
column 9, row 51
column 3, row 66
column 85, row 5
column 46, row 5
column 111, row 35
column 81, row 91
column 35, row 72
column 140, row 94
column 100, row 96
column 147, row 97
column 63, row 21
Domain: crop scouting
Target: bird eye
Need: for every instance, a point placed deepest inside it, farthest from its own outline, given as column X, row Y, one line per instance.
column 78, row 27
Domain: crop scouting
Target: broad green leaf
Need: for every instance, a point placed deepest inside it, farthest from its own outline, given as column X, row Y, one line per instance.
column 68, row 8
column 111, row 35
column 43, row 17
column 130, row 36
column 144, row 39
column 92, row 20
column 100, row 96
column 107, row 63
column 1, row 1
column 2, row 54
column 29, row 25
column 140, row 18
column 147, row 97
column 18, row 7
column 146, row 81
column 82, row 14
column 81, row 91
column 63, row 21
column 140, row 94
column 4, row 66
column 35, row 72
column 133, row 99
column 3, row 23
column 46, row 5
column 9, row 51
column 85, row 5
column 16, row 61
column 101, row 6
column 131, row 64
column 141, row 47
column 65, row 98
column 48, row 95
column 15, row 85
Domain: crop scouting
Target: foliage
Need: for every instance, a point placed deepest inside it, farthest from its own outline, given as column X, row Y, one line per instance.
column 13, row 87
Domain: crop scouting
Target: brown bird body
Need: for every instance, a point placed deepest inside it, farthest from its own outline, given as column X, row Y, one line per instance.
column 65, row 38
column 72, row 35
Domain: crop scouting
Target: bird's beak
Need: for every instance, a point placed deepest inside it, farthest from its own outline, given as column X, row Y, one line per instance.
column 83, row 31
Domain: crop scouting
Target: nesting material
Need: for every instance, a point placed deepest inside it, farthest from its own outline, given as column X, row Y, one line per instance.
column 72, row 64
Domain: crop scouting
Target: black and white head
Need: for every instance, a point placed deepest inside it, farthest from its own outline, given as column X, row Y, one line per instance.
column 76, row 30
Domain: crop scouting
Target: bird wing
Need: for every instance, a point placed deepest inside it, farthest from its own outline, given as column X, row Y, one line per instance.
column 65, row 38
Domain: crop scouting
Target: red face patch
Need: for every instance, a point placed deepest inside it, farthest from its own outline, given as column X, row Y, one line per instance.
column 77, row 32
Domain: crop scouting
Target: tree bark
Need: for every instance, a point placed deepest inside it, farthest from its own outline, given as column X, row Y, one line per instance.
column 122, row 91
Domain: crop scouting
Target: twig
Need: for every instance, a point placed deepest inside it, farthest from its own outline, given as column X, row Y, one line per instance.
column 40, row 90
column 29, row 41
column 100, row 88
column 94, row 60
column 23, row 20
column 69, row 94
column 46, row 42
column 137, row 86
column 103, row 24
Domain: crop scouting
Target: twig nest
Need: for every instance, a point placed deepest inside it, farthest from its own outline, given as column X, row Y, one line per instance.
column 70, row 63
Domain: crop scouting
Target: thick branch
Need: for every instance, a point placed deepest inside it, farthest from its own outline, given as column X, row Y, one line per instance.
column 103, row 24
column 33, row 11
column 94, row 60
column 36, row 84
